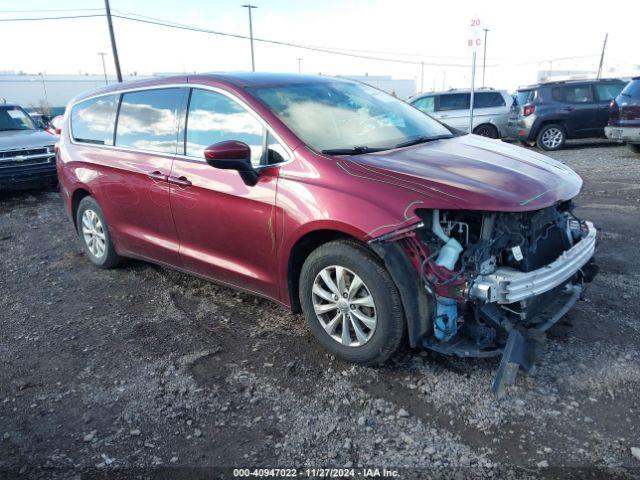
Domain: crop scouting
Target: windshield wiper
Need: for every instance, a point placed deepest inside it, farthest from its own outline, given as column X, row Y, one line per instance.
column 352, row 150
column 421, row 139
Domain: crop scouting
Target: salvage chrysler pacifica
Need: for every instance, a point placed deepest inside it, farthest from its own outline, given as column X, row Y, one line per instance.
column 332, row 198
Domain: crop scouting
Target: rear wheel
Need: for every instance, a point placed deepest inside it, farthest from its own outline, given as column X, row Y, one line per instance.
column 351, row 303
column 551, row 137
column 486, row 130
column 635, row 147
column 94, row 234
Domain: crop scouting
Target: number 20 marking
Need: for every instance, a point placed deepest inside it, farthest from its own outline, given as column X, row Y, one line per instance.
column 475, row 22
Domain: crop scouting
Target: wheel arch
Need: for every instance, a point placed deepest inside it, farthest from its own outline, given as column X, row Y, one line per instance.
column 491, row 124
column 301, row 250
column 77, row 196
column 549, row 121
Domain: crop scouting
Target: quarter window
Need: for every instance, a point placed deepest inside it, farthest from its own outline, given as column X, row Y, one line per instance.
column 275, row 151
column 608, row 91
column 93, row 121
column 147, row 120
column 454, row 101
column 214, row 117
column 426, row 104
column 488, row 100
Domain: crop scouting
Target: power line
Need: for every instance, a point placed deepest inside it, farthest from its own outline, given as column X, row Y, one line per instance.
column 342, row 49
column 286, row 44
column 52, row 10
column 66, row 17
column 342, row 52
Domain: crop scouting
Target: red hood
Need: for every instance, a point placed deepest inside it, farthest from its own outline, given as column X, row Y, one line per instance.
column 472, row 173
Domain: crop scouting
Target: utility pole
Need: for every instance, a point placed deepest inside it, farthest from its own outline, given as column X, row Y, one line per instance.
column 114, row 49
column 104, row 68
column 44, row 87
column 472, row 99
column 249, row 7
column 484, row 55
column 604, row 45
column 421, row 77
column 299, row 65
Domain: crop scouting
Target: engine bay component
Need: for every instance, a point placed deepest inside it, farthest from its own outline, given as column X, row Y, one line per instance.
column 493, row 282
column 508, row 285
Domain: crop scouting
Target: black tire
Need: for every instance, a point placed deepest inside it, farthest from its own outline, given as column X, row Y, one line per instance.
column 551, row 137
column 634, row 147
column 486, row 130
column 388, row 335
column 109, row 258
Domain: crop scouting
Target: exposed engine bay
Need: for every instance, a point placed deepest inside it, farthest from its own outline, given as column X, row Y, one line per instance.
column 491, row 282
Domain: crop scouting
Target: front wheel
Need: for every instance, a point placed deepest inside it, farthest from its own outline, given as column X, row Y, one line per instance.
column 551, row 137
column 635, row 147
column 351, row 303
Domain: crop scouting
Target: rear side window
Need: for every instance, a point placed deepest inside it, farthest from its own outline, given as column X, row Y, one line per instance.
column 523, row 97
column 454, row 101
column 426, row 104
column 608, row 91
column 632, row 89
column 573, row 94
column 488, row 100
column 147, row 120
column 214, row 117
column 93, row 121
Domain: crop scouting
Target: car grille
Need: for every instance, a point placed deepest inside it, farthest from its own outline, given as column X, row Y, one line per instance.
column 26, row 156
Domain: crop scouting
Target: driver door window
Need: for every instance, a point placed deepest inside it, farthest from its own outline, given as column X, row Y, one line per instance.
column 214, row 117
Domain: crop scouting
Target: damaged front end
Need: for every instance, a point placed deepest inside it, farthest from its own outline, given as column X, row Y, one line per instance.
column 482, row 284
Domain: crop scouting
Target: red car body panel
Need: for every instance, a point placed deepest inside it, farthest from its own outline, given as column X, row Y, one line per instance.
column 222, row 229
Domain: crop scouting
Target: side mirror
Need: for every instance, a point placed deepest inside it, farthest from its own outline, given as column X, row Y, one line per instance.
column 232, row 155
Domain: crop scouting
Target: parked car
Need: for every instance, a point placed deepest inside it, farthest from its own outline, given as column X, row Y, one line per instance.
column 624, row 116
column 548, row 114
column 490, row 109
column 27, row 157
column 333, row 198
column 41, row 120
column 56, row 124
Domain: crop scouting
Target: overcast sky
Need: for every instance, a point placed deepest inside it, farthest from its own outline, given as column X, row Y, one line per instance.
column 436, row 32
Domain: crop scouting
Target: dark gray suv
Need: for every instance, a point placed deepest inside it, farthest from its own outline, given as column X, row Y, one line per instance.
column 547, row 114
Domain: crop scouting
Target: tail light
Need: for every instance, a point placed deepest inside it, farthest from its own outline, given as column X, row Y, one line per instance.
column 614, row 112
column 528, row 110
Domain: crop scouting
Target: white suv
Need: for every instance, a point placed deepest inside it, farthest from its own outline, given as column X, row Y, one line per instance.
column 490, row 109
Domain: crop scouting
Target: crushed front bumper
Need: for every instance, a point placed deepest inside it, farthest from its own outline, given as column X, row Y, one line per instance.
column 507, row 285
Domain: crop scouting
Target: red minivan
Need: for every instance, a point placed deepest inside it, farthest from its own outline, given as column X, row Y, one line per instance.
column 332, row 198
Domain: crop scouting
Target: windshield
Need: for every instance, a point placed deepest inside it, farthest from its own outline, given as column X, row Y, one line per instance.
column 15, row 118
column 333, row 116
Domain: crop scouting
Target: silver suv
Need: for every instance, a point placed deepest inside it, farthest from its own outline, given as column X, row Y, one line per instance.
column 490, row 109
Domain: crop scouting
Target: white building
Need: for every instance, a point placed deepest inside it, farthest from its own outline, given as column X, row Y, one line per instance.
column 52, row 91
column 401, row 88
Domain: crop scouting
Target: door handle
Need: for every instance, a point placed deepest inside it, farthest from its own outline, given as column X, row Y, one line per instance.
column 157, row 175
column 569, row 109
column 180, row 181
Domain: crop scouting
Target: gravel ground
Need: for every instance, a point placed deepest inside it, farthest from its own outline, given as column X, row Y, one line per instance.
column 146, row 371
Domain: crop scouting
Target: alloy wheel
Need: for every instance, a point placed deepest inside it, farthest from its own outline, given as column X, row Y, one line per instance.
column 93, row 233
column 552, row 137
column 344, row 306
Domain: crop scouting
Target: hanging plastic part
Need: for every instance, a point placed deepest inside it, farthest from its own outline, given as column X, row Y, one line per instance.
column 445, row 325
